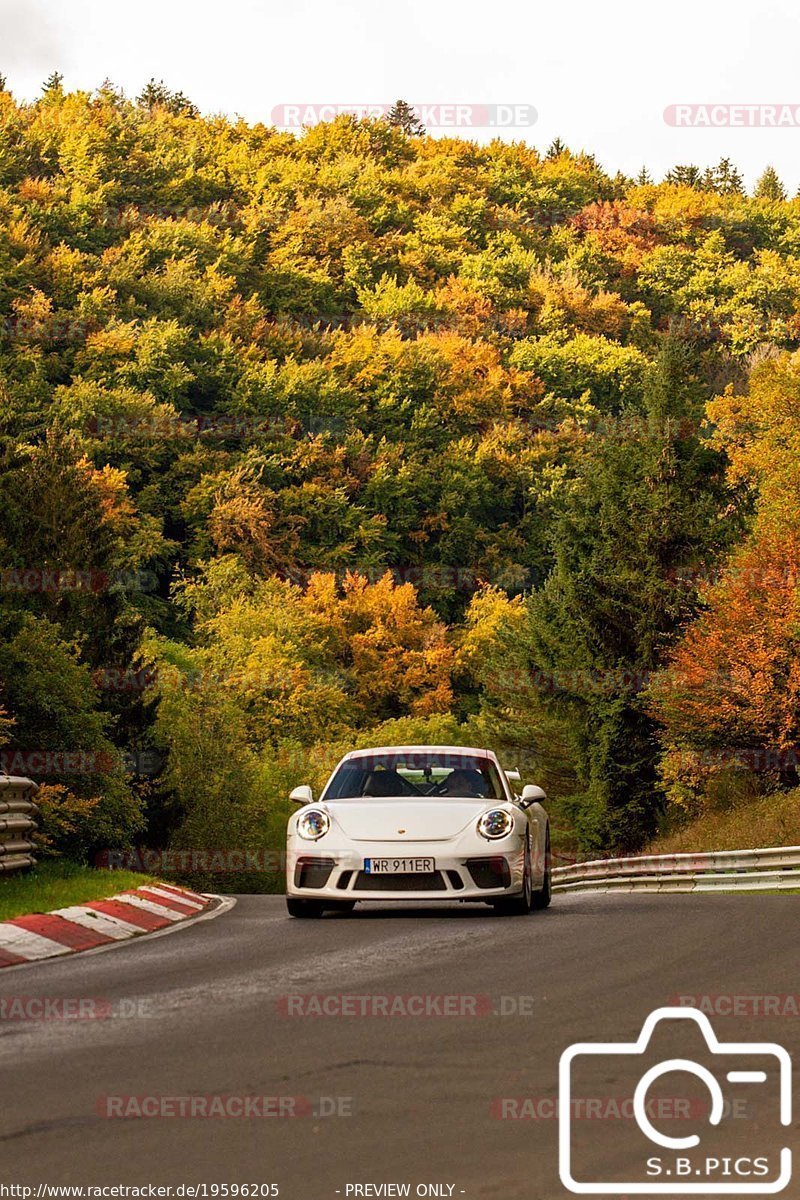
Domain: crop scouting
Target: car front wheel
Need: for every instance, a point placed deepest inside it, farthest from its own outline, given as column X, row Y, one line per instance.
column 518, row 906
column 544, row 894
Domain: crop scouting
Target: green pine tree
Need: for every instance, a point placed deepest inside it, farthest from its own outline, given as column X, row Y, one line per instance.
column 727, row 179
column 53, row 84
column 687, row 175
column 403, row 116
column 646, row 506
column 156, row 94
column 769, row 186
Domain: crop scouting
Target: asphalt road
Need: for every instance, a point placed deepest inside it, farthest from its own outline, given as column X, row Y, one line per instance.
column 405, row 1099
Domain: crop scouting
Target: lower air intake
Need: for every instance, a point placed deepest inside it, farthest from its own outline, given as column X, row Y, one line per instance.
column 428, row 881
column 312, row 872
column 489, row 872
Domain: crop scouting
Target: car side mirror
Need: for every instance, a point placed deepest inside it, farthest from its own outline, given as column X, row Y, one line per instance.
column 531, row 794
column 513, row 776
column 302, row 794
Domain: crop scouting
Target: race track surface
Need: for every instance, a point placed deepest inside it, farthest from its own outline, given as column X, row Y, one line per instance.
column 414, row 1099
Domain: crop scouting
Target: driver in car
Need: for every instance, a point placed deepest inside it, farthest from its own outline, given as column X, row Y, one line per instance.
column 463, row 781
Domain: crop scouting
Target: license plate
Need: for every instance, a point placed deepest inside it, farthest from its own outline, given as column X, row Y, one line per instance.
column 399, row 866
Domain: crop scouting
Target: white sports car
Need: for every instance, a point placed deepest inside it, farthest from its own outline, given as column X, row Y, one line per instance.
column 418, row 823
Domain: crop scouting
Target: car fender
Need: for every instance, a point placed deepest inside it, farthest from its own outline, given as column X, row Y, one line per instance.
column 537, row 823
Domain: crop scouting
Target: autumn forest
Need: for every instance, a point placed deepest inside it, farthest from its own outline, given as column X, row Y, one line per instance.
column 362, row 437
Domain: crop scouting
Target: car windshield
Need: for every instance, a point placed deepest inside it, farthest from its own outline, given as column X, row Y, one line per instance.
column 416, row 774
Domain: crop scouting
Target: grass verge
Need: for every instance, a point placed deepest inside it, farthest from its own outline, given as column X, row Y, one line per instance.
column 765, row 821
column 58, row 883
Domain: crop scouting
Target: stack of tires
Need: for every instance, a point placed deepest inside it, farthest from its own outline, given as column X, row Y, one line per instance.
column 17, row 823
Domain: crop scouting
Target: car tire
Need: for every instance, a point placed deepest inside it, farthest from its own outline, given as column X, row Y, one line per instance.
column 304, row 908
column 519, row 906
column 543, row 896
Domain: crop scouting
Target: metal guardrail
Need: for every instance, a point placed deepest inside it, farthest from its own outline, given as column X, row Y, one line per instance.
column 17, row 823
column 772, row 869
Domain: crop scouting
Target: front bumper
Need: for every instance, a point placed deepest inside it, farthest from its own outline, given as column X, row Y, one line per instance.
column 482, row 873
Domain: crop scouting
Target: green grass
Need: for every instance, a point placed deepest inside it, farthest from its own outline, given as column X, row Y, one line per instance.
column 58, row 883
column 749, row 825
column 770, row 892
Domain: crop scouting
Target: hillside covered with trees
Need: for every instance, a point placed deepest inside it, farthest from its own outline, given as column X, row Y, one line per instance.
column 366, row 436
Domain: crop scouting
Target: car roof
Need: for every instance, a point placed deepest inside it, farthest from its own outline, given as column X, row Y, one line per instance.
column 455, row 750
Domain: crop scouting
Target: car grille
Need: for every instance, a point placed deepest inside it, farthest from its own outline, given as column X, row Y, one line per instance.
column 427, row 881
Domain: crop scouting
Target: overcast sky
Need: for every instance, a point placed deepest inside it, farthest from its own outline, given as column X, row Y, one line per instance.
column 600, row 75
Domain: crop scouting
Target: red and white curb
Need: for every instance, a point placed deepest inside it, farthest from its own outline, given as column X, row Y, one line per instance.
column 98, row 923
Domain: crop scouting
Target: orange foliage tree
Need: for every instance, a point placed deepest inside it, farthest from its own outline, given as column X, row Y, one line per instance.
column 729, row 699
column 397, row 653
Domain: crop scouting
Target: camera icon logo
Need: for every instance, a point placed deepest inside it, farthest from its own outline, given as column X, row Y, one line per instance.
column 663, row 1162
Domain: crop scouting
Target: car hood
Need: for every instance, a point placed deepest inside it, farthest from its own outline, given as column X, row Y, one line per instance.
column 406, row 820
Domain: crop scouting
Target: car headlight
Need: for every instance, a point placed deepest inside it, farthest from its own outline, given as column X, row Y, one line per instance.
column 496, row 823
column 313, row 825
